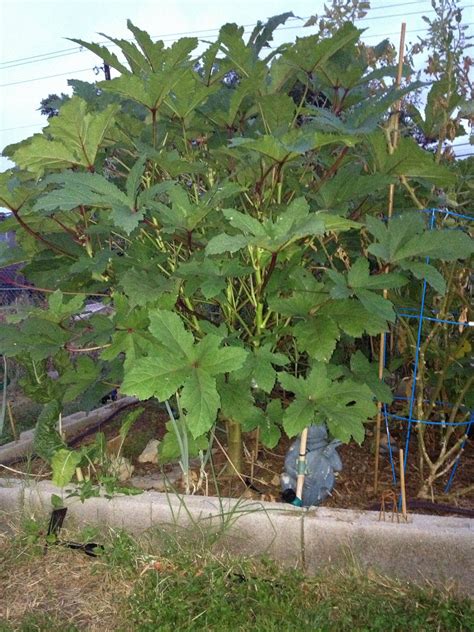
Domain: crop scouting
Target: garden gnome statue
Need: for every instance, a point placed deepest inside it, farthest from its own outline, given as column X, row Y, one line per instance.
column 322, row 461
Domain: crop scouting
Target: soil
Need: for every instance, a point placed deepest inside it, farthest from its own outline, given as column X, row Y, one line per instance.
column 354, row 485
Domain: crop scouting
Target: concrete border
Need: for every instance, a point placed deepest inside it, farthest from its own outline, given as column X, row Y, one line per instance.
column 72, row 425
column 433, row 549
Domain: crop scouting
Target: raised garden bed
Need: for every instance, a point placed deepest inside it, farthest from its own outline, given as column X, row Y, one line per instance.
column 354, row 485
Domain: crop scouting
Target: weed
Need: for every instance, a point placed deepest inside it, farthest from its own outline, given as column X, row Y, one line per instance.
column 224, row 595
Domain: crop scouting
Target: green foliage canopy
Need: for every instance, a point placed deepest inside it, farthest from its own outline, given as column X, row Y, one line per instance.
column 232, row 224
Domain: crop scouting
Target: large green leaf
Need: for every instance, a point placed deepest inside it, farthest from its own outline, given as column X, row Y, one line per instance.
column 177, row 364
column 189, row 94
column 405, row 237
column 152, row 51
column 346, row 406
column 77, row 379
column 447, row 245
column 167, row 327
column 41, row 153
column 299, row 414
column 409, row 160
column 159, row 377
column 270, row 432
column 317, row 336
column 258, row 369
column 90, row 189
column 343, row 405
column 237, row 403
column 209, row 276
column 359, row 277
column 311, row 53
column 366, row 372
column 226, row 243
column 213, row 360
column 71, row 139
column 376, row 304
column 103, row 53
column 201, row 401
column 64, row 463
column 357, row 283
column 147, row 286
column 150, row 90
column 15, row 191
column 183, row 214
column 292, row 144
column 262, row 33
column 40, row 338
column 425, row 271
column 353, row 318
column 294, row 223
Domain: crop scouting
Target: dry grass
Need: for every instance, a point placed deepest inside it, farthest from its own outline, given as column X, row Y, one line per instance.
column 170, row 584
column 63, row 585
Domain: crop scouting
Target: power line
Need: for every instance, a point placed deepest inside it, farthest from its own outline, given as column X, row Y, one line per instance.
column 5, row 85
column 77, row 49
column 61, row 74
column 44, row 58
column 411, row 32
column 80, row 49
column 11, row 129
column 14, row 83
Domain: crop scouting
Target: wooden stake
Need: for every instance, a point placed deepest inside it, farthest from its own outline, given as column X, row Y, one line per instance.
column 402, row 486
column 257, row 442
column 394, row 122
column 395, row 115
column 254, row 455
column 301, row 464
column 378, row 425
column 12, row 422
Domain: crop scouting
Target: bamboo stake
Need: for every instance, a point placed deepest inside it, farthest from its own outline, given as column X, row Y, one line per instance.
column 60, row 427
column 257, row 442
column 301, row 468
column 394, row 123
column 12, row 422
column 402, row 486
column 254, row 454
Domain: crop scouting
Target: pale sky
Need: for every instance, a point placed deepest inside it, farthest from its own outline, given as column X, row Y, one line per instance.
column 38, row 28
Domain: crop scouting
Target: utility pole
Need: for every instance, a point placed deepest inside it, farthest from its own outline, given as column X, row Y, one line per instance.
column 106, row 69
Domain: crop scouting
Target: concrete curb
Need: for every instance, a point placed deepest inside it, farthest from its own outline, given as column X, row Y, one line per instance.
column 428, row 549
column 71, row 425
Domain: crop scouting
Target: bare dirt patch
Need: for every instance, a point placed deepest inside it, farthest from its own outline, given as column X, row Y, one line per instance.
column 61, row 586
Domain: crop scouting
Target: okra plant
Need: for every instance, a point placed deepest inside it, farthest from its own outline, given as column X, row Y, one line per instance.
column 229, row 205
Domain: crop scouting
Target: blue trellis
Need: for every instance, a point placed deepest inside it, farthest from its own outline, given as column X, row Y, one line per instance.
column 421, row 317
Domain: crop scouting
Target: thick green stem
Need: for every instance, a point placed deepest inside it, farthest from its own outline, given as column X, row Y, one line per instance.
column 153, row 124
column 234, row 445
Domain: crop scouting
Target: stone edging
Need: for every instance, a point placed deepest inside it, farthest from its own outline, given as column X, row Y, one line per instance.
column 428, row 548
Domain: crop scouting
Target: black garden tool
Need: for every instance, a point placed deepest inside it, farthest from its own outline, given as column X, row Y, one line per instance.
column 55, row 524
